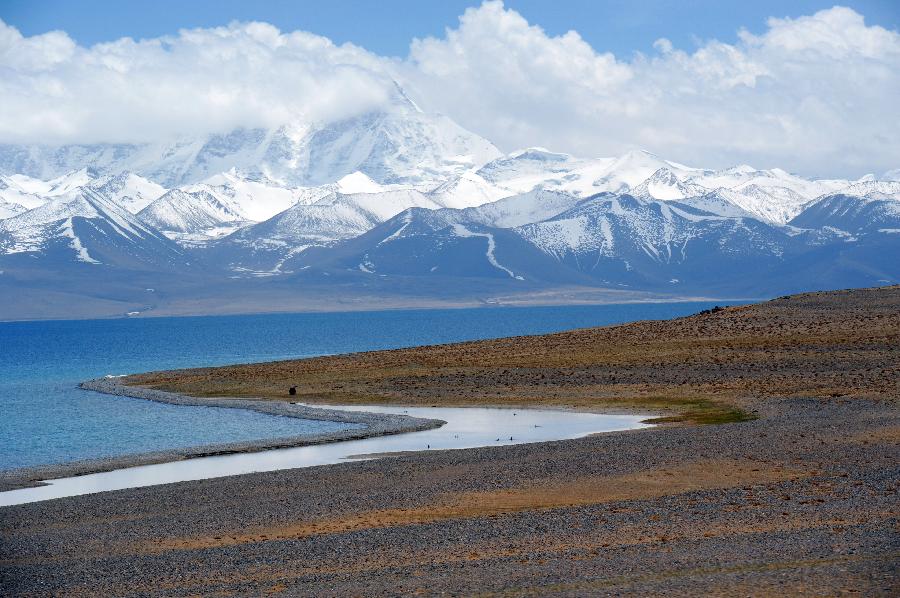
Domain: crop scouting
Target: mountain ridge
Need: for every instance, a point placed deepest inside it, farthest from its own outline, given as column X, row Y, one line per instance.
column 408, row 202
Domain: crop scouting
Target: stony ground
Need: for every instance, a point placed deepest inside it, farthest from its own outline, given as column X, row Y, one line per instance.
column 802, row 500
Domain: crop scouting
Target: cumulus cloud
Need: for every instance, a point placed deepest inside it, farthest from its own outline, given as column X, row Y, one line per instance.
column 201, row 80
column 815, row 94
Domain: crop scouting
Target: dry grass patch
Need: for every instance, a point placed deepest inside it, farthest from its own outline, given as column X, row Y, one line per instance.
column 648, row 484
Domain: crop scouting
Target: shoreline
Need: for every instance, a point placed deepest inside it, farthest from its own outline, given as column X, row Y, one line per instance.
column 770, row 502
column 500, row 301
column 376, row 424
column 799, row 499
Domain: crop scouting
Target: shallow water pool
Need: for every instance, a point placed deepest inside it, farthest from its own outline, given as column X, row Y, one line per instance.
column 466, row 427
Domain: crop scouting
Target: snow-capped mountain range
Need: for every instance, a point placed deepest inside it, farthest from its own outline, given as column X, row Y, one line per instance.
column 409, row 195
column 400, row 144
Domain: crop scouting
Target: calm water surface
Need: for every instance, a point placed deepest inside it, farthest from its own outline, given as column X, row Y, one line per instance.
column 45, row 418
column 466, row 427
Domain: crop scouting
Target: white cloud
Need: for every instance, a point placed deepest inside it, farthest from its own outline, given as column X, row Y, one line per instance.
column 816, row 94
column 201, row 80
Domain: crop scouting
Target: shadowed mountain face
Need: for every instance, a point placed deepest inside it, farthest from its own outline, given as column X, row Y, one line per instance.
column 527, row 244
column 402, row 207
column 84, row 227
column 614, row 241
column 852, row 214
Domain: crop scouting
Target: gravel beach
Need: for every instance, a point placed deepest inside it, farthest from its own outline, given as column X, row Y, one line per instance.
column 797, row 494
column 803, row 501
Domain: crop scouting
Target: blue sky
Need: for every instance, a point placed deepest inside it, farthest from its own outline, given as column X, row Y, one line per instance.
column 387, row 26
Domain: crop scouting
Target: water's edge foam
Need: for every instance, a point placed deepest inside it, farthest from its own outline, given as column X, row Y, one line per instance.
column 376, row 424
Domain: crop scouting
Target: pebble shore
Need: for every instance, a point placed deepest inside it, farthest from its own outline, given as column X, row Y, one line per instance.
column 802, row 501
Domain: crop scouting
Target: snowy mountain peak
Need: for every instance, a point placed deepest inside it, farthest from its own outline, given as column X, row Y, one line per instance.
column 256, row 198
column 357, row 182
column 19, row 193
column 399, row 144
column 663, row 184
column 872, row 190
column 631, row 169
column 191, row 215
column 467, row 190
column 663, row 176
column 539, row 154
column 84, row 226
column 401, row 98
column 740, row 169
column 870, row 207
column 524, row 170
column 128, row 189
column 70, row 180
column 772, row 204
column 81, row 202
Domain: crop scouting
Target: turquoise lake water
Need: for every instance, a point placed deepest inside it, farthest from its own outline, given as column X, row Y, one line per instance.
column 45, row 418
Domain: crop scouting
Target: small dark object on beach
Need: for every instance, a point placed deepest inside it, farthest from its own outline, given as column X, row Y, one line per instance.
column 715, row 309
column 292, row 390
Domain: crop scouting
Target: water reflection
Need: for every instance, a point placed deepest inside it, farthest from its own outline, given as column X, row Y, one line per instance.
column 466, row 428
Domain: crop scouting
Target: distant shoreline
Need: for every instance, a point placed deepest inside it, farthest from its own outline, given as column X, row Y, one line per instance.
column 376, row 424
column 318, row 305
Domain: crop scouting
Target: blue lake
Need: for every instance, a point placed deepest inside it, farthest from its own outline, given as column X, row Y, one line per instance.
column 45, row 418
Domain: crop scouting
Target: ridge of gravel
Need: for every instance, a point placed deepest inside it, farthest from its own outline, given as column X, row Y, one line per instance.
column 375, row 424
